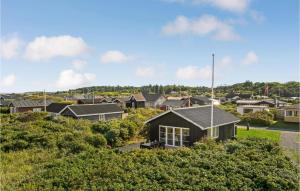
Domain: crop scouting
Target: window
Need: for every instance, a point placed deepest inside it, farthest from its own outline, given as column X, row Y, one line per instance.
column 289, row 113
column 295, row 113
column 102, row 117
column 213, row 132
column 36, row 109
column 174, row 136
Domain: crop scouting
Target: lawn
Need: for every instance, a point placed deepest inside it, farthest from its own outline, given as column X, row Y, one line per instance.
column 259, row 133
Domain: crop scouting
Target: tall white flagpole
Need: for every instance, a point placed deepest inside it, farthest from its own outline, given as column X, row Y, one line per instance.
column 212, row 95
column 45, row 102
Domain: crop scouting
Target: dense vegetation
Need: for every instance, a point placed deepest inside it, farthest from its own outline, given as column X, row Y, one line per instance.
column 289, row 89
column 42, row 153
column 259, row 118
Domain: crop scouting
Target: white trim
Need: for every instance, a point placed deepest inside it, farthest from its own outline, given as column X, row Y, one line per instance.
column 87, row 114
column 100, row 113
column 69, row 109
column 223, row 124
column 157, row 116
column 63, row 109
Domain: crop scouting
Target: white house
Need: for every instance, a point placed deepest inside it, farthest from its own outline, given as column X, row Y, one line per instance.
column 242, row 109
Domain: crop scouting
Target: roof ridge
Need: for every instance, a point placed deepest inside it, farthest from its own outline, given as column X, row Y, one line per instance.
column 192, row 107
column 92, row 104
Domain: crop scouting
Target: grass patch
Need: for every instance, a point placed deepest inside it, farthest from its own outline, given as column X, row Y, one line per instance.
column 258, row 133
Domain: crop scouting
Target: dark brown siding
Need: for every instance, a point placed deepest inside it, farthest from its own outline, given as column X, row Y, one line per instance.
column 171, row 119
column 25, row 109
column 196, row 134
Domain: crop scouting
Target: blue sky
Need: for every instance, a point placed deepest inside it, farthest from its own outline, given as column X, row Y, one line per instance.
column 62, row 44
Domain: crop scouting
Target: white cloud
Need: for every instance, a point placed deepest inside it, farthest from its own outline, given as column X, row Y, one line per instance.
column 8, row 80
column 71, row 79
column 44, row 48
column 114, row 56
column 225, row 62
column 145, row 72
column 79, row 64
column 193, row 72
column 257, row 16
column 228, row 5
column 204, row 25
column 237, row 6
column 250, row 58
column 9, row 47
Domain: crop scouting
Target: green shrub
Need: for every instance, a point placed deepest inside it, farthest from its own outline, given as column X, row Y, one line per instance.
column 248, row 164
column 97, row 140
column 259, row 118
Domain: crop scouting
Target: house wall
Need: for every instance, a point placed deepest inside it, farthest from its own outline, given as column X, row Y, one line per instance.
column 170, row 119
column 109, row 116
column 241, row 110
column 294, row 118
column 138, row 104
column 25, row 109
column 227, row 132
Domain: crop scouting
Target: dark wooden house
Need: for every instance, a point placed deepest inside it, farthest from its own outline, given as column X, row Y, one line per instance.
column 28, row 105
column 184, row 126
column 199, row 100
column 176, row 103
column 56, row 108
column 96, row 112
column 136, row 101
column 153, row 99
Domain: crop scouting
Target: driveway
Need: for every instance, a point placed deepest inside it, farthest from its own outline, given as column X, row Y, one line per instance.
column 289, row 140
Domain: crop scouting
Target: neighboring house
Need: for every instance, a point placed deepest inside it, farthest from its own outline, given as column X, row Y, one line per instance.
column 200, row 100
column 184, row 126
column 153, row 100
column 4, row 102
column 136, row 101
column 242, row 109
column 96, row 112
column 175, row 103
column 56, row 108
column 291, row 113
column 268, row 102
column 28, row 105
column 91, row 101
column 237, row 96
column 246, row 102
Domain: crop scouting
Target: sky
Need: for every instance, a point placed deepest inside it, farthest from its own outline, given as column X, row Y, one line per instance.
column 65, row 44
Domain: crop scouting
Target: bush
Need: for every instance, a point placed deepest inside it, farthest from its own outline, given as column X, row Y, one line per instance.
column 250, row 164
column 96, row 140
column 259, row 118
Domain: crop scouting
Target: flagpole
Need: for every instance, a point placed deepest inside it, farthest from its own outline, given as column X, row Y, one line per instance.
column 45, row 108
column 212, row 95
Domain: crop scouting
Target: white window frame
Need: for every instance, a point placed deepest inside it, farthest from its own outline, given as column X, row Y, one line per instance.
column 173, row 136
column 215, row 133
column 36, row 109
column 101, row 117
